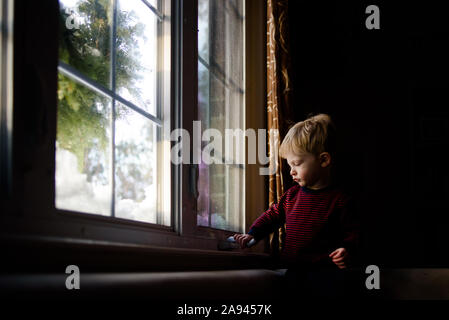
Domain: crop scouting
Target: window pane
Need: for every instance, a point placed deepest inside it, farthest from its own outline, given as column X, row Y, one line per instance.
column 84, row 37
column 99, row 170
column 203, row 29
column 82, row 149
column 137, row 54
column 221, row 106
column 204, row 211
column 135, row 171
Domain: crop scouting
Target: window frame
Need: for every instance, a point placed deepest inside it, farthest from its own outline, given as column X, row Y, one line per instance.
column 255, row 185
column 35, row 213
column 162, row 114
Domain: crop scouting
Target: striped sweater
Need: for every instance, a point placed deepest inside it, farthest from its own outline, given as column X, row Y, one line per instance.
column 316, row 223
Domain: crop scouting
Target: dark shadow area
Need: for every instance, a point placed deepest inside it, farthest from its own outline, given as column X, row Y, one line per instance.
column 387, row 92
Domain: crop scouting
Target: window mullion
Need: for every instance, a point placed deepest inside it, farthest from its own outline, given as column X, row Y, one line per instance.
column 159, row 15
column 113, row 115
column 6, row 94
column 74, row 74
column 177, row 102
column 159, row 101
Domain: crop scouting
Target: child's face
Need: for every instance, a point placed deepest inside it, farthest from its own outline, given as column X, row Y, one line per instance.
column 306, row 169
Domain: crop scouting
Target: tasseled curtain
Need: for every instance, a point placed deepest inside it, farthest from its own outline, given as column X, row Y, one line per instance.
column 278, row 100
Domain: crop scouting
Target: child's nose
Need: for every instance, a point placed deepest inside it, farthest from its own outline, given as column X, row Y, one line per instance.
column 292, row 172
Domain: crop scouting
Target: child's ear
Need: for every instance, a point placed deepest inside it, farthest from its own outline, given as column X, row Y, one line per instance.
column 325, row 159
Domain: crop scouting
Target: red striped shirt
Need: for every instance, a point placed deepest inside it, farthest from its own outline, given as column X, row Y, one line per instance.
column 316, row 223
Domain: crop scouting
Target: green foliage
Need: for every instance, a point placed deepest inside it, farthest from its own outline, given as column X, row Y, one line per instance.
column 83, row 115
column 82, row 120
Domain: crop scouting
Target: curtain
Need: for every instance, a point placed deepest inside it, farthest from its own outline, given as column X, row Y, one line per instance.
column 278, row 101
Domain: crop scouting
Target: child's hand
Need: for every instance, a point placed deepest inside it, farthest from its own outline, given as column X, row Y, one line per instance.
column 340, row 257
column 242, row 239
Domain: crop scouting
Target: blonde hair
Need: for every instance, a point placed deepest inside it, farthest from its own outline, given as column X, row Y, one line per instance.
column 314, row 135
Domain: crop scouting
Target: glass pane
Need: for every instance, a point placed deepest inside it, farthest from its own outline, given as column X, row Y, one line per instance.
column 136, row 170
column 204, row 213
column 137, row 57
column 235, row 192
column 82, row 149
column 84, row 37
column 221, row 106
column 203, row 29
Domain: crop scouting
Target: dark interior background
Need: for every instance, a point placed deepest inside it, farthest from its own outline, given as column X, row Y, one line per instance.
column 387, row 91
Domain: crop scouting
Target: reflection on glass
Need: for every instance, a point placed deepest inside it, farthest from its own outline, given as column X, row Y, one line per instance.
column 203, row 93
column 85, row 35
column 221, row 105
column 203, row 29
column 135, row 171
column 82, row 149
column 137, row 82
column 203, row 200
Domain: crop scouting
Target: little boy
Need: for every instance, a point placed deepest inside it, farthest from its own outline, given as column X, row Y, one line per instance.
column 321, row 232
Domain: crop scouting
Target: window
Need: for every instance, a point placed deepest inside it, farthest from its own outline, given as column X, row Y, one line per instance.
column 114, row 109
column 94, row 112
column 221, row 100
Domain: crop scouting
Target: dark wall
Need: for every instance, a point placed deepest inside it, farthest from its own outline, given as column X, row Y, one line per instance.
column 387, row 92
